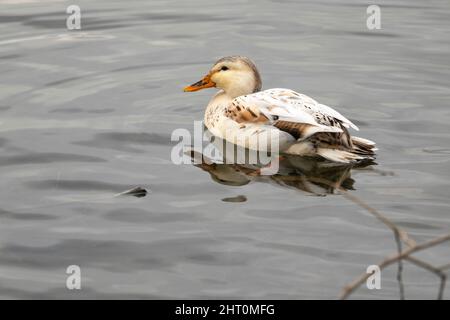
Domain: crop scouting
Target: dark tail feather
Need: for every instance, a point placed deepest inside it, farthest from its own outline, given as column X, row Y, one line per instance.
column 361, row 150
column 364, row 147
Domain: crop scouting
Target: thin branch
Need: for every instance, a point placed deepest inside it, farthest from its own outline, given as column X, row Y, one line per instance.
column 400, row 236
column 400, row 267
column 436, row 270
column 390, row 260
column 403, row 235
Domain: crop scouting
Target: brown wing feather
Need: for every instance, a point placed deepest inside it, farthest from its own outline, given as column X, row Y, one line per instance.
column 297, row 130
column 242, row 114
column 341, row 141
column 251, row 114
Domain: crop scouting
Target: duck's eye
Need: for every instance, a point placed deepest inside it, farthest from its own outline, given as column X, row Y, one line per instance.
column 224, row 68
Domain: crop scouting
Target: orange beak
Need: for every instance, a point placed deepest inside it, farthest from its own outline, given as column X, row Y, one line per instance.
column 202, row 84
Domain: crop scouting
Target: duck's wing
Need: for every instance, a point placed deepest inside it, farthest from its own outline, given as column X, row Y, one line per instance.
column 290, row 111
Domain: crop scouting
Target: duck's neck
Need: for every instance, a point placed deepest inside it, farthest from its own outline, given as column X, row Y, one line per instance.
column 242, row 87
column 236, row 93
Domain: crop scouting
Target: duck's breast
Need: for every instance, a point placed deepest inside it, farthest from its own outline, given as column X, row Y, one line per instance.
column 255, row 136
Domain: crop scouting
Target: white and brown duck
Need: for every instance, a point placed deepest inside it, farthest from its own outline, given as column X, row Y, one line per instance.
column 240, row 111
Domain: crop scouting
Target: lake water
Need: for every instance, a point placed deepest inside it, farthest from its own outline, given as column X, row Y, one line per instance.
column 87, row 114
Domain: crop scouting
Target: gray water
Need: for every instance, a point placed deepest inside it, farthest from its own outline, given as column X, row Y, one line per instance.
column 87, row 114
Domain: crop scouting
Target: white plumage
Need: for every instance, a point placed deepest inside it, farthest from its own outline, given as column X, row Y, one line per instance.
column 302, row 126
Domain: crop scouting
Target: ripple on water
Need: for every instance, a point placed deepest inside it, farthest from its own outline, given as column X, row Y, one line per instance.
column 46, row 157
column 125, row 141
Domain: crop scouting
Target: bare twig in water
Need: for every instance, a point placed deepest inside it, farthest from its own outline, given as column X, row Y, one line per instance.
column 388, row 261
column 400, row 236
column 436, row 270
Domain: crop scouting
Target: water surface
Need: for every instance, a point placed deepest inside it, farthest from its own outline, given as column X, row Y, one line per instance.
column 87, row 114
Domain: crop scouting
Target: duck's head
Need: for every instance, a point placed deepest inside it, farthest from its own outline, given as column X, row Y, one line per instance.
column 236, row 75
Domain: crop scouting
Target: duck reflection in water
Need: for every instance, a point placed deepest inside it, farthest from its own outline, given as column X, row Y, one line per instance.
column 311, row 175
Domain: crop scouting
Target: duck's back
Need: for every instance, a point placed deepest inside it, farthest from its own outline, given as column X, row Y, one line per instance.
column 304, row 126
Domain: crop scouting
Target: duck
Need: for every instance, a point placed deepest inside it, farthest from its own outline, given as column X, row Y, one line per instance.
column 276, row 119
